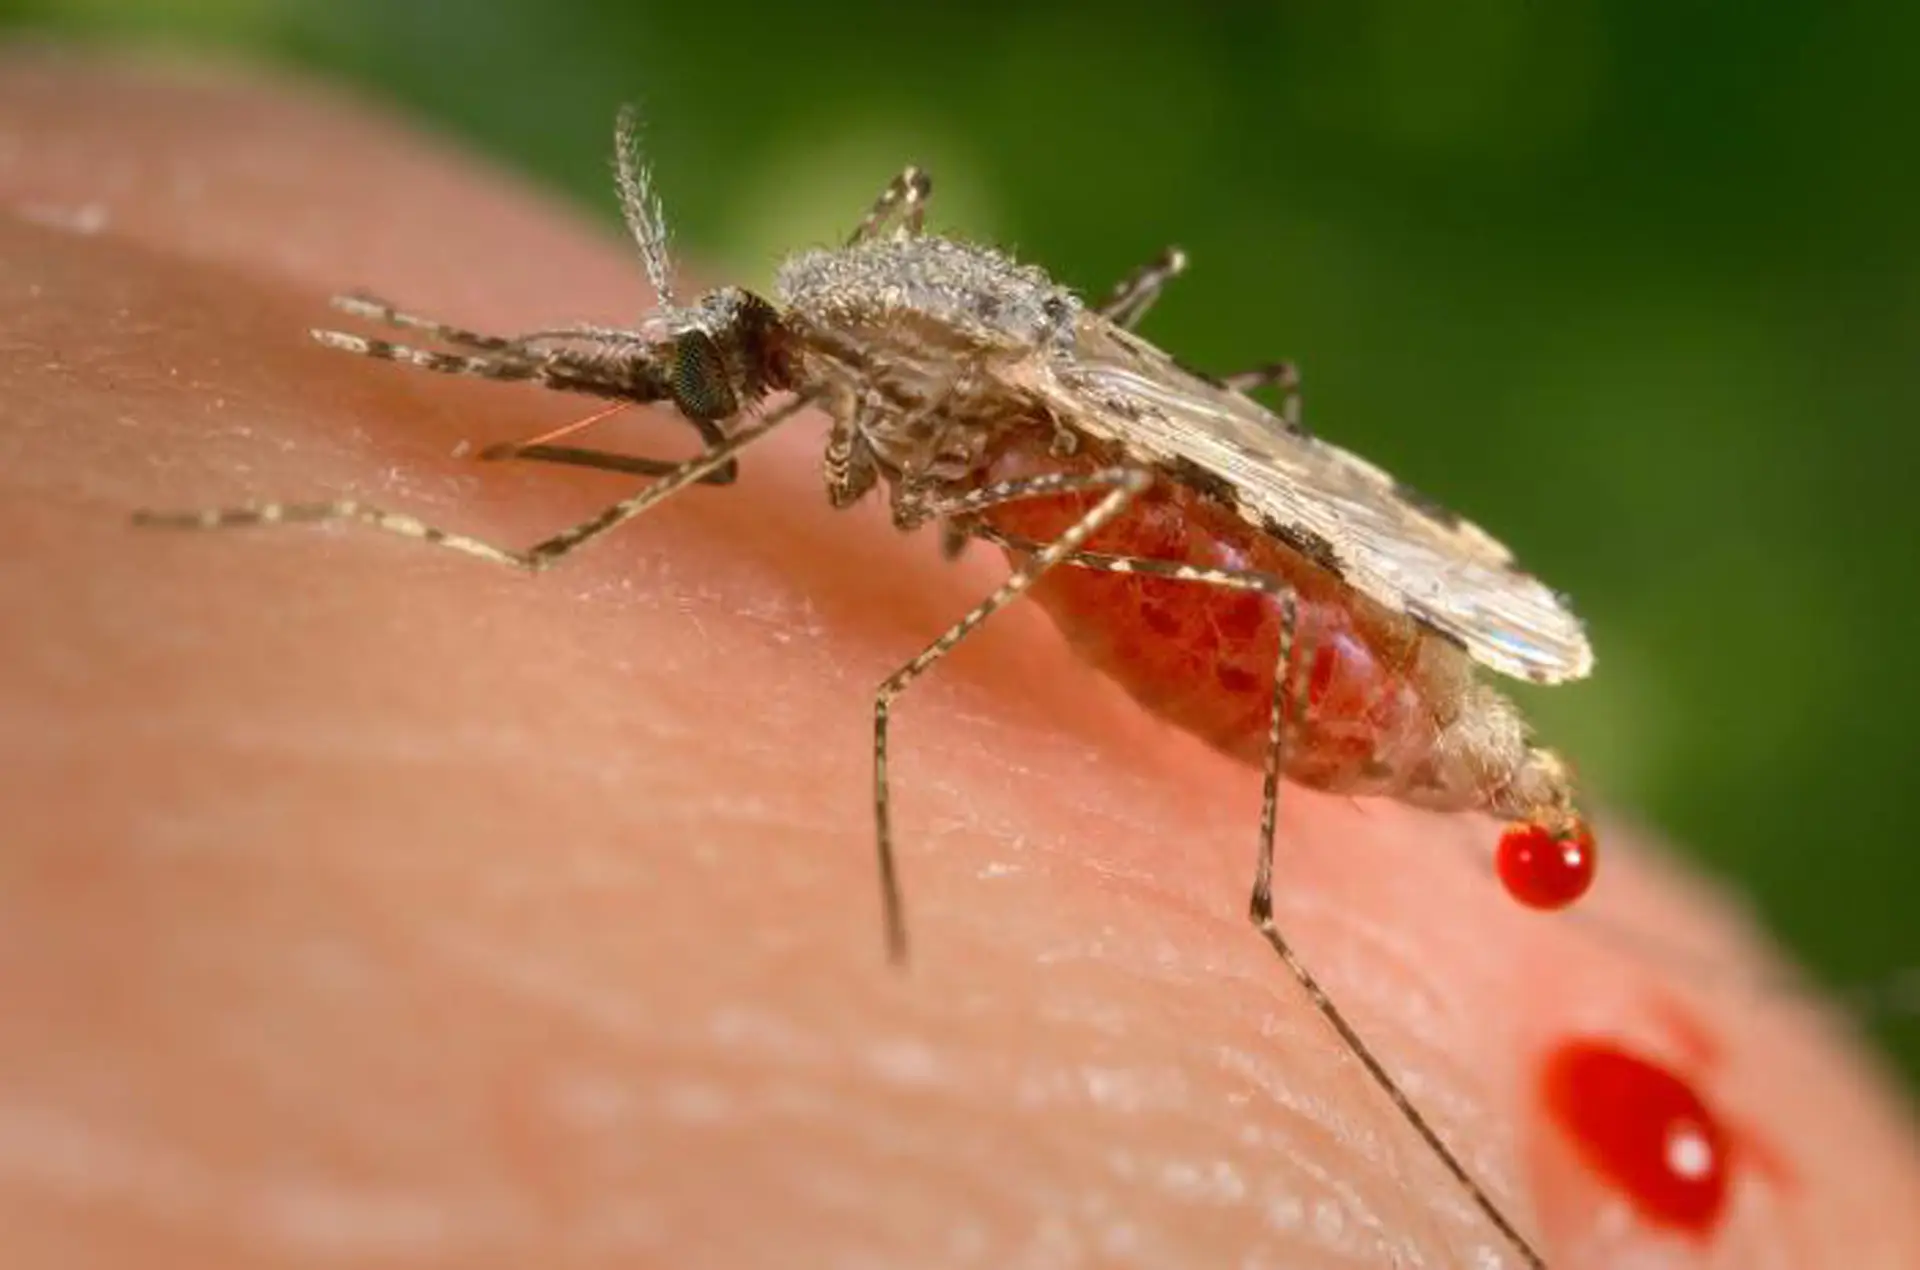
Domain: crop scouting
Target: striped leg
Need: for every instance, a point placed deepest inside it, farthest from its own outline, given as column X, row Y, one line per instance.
column 906, row 195
column 1260, row 906
column 1282, row 375
column 541, row 555
column 1129, row 303
column 1130, row 300
column 1120, row 485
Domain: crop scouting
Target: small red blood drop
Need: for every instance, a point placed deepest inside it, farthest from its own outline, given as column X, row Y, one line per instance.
column 1543, row 869
column 1644, row 1130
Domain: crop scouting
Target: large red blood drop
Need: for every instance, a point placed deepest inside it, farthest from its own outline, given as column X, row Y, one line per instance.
column 1644, row 1131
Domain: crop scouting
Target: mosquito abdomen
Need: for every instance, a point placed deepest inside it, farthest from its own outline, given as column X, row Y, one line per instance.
column 1370, row 695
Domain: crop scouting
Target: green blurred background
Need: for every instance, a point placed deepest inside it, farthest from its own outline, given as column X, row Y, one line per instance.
column 1636, row 283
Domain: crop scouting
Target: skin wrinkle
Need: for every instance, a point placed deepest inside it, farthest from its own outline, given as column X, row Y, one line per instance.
column 76, row 1164
column 737, row 882
column 753, row 1034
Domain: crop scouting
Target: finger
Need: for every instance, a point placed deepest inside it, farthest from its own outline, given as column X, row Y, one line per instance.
column 537, row 913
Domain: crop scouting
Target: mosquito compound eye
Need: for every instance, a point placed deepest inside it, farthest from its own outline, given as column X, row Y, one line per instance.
column 699, row 378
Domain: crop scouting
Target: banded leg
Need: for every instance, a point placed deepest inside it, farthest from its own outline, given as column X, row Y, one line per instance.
column 1260, row 906
column 1282, row 375
column 542, row 555
column 1120, row 485
column 906, row 194
column 1130, row 301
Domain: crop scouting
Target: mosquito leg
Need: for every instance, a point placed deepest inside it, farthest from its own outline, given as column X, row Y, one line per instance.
column 906, row 195
column 1130, row 300
column 1133, row 297
column 541, row 555
column 1260, row 907
column 1260, row 912
column 1120, row 485
column 1282, row 375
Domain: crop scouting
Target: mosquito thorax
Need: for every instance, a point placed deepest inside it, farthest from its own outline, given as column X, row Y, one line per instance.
column 902, row 339
column 917, row 294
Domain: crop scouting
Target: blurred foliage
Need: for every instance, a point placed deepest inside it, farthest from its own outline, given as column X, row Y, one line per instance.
column 1635, row 282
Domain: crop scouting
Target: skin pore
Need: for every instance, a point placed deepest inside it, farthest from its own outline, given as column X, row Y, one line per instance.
column 362, row 901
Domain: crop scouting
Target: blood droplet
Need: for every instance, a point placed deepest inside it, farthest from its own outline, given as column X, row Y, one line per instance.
column 1645, row 1131
column 1543, row 869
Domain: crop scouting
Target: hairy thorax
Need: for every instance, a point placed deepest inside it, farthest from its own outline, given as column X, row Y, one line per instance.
column 960, row 293
column 907, row 342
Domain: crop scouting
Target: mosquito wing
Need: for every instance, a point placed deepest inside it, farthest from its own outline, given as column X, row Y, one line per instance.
column 1380, row 538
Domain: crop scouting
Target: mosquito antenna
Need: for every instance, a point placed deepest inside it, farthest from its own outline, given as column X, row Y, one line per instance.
column 640, row 205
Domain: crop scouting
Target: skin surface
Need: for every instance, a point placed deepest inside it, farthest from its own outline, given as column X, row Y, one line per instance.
column 363, row 903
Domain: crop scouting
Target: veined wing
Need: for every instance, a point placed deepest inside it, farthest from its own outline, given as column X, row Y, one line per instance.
column 1380, row 538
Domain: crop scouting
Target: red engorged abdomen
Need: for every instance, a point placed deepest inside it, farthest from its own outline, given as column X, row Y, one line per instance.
column 1203, row 657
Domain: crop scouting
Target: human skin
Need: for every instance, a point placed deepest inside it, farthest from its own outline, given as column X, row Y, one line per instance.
column 361, row 902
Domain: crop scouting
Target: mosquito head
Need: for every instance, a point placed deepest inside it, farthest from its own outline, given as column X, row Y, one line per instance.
column 716, row 356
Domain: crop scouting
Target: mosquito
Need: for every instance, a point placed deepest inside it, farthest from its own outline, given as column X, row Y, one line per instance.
column 1286, row 600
